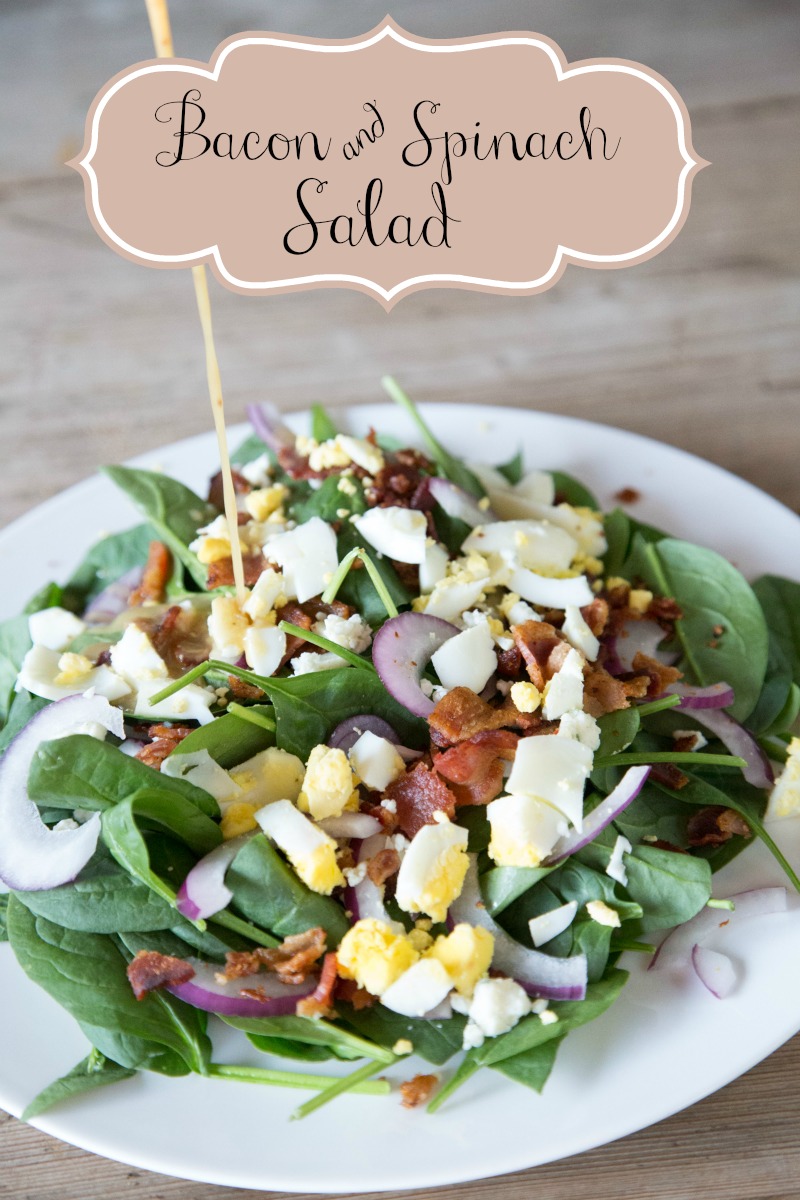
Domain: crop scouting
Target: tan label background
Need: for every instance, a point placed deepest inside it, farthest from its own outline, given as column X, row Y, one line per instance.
column 511, row 226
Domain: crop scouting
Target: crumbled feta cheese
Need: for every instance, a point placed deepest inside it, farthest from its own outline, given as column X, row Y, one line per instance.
column 258, row 472
column 581, row 726
column 616, row 865
column 352, row 632
column 308, row 663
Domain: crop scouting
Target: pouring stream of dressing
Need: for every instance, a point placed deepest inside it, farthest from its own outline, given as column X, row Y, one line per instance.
column 158, row 15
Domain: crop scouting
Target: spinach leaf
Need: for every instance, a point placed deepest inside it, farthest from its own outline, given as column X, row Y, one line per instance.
column 267, row 891
column 712, row 593
column 617, row 731
column 291, row 1048
column 95, row 1071
column 626, row 538
column 252, row 447
column 229, row 739
column 103, row 899
column 531, row 1067
column 452, row 531
column 472, row 817
column 135, row 1053
column 322, row 427
column 106, row 562
column 671, row 888
column 780, row 602
column 174, row 510
column 435, row 1041
column 24, row 708
column 3, row 914
column 501, row 886
column 85, row 974
column 514, row 469
column 654, row 814
column 81, row 772
column 572, row 491
column 358, row 590
column 15, row 642
column 328, row 502
column 311, row 1032
column 309, row 707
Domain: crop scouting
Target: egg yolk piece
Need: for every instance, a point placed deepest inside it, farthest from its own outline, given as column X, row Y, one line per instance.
column 432, row 872
column 374, row 955
column 466, row 954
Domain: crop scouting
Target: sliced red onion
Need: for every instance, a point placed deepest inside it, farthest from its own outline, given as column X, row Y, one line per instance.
column 607, row 811
column 206, row 992
column 738, row 741
column 402, row 648
column 348, row 731
column 717, row 695
column 715, row 971
column 365, row 900
column 676, row 949
column 351, row 825
column 268, row 425
column 538, row 973
column 635, row 637
column 203, row 891
column 113, row 599
column 458, row 503
column 33, row 857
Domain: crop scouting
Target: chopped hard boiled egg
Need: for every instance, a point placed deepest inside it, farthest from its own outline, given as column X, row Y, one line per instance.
column 467, row 660
column 135, row 658
column 328, row 783
column 264, row 648
column 264, row 595
column 555, row 769
column 419, row 989
column 363, row 453
column 551, row 593
column 310, row 851
column 462, row 588
column 375, row 954
column 399, row 533
column 496, row 1007
column 307, row 556
column 581, row 726
column 433, row 567
column 375, row 761
column 466, row 953
column 526, row 697
column 578, row 633
column 263, row 502
column 199, row 768
column 565, row 690
column 524, row 829
column 227, row 626
column 432, row 872
column 538, row 545
column 191, row 703
column 42, row 674
column 603, row 914
column 784, row 799
column 271, row 775
column 353, row 633
column 54, row 628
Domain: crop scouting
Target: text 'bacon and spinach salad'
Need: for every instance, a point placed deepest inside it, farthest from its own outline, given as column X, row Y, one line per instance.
column 462, row 741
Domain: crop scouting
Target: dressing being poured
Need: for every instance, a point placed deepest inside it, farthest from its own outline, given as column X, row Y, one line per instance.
column 158, row 15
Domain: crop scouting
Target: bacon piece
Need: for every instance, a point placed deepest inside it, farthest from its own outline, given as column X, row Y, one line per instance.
column 635, row 687
column 418, row 1090
column 180, row 636
column 596, row 615
column 320, row 1002
column 216, row 494
column 664, row 609
column 474, row 768
column 602, row 693
column 349, row 991
column 220, row 573
column 669, row 774
column 419, row 794
column 387, row 819
column 536, row 641
column 157, row 571
column 150, row 970
column 292, row 961
column 715, row 825
column 163, row 740
column 244, row 691
column 382, row 866
column 509, row 663
column 659, row 675
column 484, row 786
column 401, row 482
column 461, row 714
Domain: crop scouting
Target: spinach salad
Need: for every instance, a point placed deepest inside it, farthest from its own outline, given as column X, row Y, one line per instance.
column 462, row 742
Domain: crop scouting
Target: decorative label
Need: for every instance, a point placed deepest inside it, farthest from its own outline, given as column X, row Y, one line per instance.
column 388, row 163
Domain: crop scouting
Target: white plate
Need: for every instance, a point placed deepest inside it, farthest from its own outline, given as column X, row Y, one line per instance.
column 663, row 1046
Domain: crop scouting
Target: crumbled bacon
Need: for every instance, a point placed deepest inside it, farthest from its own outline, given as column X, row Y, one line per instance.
column 401, row 482
column 157, row 571
column 163, row 740
column 418, row 1090
column 485, row 785
column 628, row 495
column 349, row 991
column 180, row 636
column 216, row 494
column 382, row 866
column 602, row 693
column 669, row 775
column 635, row 687
column 387, row 818
column 659, row 676
column 474, row 768
column 419, row 794
column 292, row 961
column 320, row 1002
column 150, row 970
column 461, row 714
column 220, row 573
column 596, row 615
column 536, row 641
column 715, row 825
column 664, row 609
column 244, row 691
column 509, row 663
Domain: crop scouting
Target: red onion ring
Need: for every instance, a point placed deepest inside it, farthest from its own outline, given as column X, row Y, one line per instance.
column 33, row 857
column 204, row 991
column 458, row 503
column 738, row 741
column 113, row 599
column 635, row 636
column 716, row 695
column 676, row 949
column 365, row 899
column 267, row 424
column 607, row 811
column 203, row 892
column 715, row 971
column 402, row 648
column 541, row 975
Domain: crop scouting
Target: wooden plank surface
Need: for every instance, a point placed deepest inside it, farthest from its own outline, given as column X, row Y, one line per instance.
column 698, row 347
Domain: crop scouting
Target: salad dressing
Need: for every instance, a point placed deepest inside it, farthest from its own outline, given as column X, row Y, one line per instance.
column 158, row 15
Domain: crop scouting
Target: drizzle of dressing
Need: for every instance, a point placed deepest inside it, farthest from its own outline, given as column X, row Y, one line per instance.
column 162, row 40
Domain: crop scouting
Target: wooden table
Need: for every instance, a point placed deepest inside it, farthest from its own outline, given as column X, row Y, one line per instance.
column 698, row 347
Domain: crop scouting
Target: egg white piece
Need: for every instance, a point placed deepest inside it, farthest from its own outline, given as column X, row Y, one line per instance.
column 419, row 989
column 555, row 769
column 266, row 590
column 54, row 628
column 433, row 567
column 399, row 533
column 431, row 873
column 581, row 726
column 191, row 703
column 548, row 592
column 311, row 852
column 565, row 689
column 467, row 660
column 524, row 829
column 578, row 633
column 40, row 669
column 135, row 658
column 270, row 775
column 199, row 768
column 549, row 925
column 375, row 760
column 264, row 648
column 307, row 556
column 535, row 544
